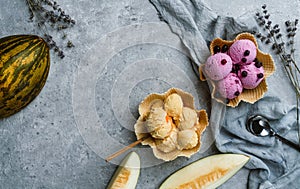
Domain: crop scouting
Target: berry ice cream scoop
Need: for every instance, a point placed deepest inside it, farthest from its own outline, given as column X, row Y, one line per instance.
column 218, row 66
column 230, row 87
column 251, row 75
column 242, row 51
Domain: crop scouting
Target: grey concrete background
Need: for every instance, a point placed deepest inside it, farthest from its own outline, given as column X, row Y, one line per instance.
column 42, row 147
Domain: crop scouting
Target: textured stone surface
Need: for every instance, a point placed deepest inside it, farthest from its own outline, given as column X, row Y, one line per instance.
column 42, row 146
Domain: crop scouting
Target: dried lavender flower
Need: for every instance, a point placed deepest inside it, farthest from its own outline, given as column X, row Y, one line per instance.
column 258, row 35
column 48, row 14
column 70, row 44
column 263, row 38
column 278, row 36
column 276, row 26
column 269, row 22
column 287, row 23
column 267, row 16
column 285, row 50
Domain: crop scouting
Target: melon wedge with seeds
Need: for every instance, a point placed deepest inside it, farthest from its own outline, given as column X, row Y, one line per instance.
column 209, row 172
column 126, row 176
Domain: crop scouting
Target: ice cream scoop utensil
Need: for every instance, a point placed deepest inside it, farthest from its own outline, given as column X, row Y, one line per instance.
column 260, row 126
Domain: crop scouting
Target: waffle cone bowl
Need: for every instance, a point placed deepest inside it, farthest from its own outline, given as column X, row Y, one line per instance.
column 155, row 110
column 247, row 95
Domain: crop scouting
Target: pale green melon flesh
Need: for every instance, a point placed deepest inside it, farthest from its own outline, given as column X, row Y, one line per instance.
column 209, row 172
column 126, row 176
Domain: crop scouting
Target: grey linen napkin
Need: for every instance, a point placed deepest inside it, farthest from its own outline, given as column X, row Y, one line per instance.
column 272, row 164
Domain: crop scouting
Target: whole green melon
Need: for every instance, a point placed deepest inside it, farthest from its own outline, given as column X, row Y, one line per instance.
column 24, row 67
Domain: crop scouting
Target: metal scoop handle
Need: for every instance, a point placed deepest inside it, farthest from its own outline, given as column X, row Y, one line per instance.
column 288, row 142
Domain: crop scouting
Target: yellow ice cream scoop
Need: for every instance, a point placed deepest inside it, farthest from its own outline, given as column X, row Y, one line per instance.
column 187, row 139
column 188, row 118
column 162, row 132
column 173, row 105
column 156, row 119
column 159, row 124
column 168, row 144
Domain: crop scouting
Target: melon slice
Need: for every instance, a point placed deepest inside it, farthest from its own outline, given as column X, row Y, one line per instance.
column 126, row 176
column 209, row 172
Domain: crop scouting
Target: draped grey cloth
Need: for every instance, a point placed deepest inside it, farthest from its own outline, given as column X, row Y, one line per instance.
column 272, row 164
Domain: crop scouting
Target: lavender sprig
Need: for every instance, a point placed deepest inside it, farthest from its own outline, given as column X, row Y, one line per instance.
column 47, row 13
column 284, row 49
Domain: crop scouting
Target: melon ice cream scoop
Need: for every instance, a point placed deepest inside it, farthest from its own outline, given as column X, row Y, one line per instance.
column 173, row 105
column 242, row 51
column 230, row 87
column 187, row 139
column 251, row 75
column 158, row 124
column 218, row 66
column 188, row 118
column 169, row 143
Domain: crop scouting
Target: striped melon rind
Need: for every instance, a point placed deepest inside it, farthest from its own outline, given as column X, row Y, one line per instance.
column 24, row 67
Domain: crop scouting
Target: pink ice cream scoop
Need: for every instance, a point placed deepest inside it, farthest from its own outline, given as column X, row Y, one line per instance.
column 242, row 51
column 251, row 75
column 218, row 66
column 230, row 87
